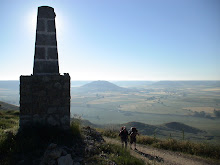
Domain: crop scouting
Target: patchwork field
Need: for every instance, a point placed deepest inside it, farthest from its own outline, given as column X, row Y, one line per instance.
column 191, row 106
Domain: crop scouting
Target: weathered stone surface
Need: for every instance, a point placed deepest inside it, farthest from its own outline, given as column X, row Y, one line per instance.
column 51, row 26
column 54, row 154
column 46, row 12
column 65, row 160
column 52, row 110
column 41, row 25
column 52, row 121
column 65, row 120
column 52, row 146
column 46, row 56
column 40, row 53
column 46, row 67
column 57, row 86
column 45, row 39
column 52, row 53
column 46, row 101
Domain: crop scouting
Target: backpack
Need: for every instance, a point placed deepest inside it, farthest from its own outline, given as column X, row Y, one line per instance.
column 123, row 132
column 133, row 131
column 122, row 128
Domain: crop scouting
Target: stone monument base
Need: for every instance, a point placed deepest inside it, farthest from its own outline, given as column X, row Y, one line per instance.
column 45, row 100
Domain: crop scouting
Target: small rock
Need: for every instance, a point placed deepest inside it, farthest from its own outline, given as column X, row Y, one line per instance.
column 76, row 163
column 54, row 154
column 64, row 152
column 20, row 162
column 52, row 146
column 52, row 162
column 65, row 160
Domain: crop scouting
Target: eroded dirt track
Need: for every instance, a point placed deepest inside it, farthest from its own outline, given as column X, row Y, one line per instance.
column 152, row 155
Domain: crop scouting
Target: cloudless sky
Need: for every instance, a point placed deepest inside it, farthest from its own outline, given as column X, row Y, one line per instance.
column 117, row 39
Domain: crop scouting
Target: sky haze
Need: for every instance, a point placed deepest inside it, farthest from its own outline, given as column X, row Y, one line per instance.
column 117, row 39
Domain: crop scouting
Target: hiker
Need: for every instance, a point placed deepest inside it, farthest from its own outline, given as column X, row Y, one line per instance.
column 133, row 132
column 124, row 136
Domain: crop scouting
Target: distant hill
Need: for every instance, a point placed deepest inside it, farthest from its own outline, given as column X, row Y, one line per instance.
column 180, row 126
column 6, row 106
column 172, row 129
column 147, row 129
column 100, row 86
column 132, row 84
column 179, row 84
column 144, row 129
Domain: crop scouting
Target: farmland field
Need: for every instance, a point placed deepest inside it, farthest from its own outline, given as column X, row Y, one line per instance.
column 152, row 106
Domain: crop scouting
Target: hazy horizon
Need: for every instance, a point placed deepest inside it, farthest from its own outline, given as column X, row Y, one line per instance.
column 128, row 80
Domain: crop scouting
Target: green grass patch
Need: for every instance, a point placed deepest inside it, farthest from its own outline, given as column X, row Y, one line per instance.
column 108, row 132
column 8, row 120
column 120, row 155
column 31, row 141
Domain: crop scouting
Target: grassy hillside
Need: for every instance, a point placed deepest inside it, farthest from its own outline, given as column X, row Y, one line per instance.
column 6, row 106
column 31, row 145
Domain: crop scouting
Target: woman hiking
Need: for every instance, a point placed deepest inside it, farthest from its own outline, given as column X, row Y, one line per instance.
column 124, row 136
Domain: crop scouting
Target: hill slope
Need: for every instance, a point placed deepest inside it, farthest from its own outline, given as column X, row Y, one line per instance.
column 180, row 126
column 173, row 129
column 182, row 84
column 6, row 106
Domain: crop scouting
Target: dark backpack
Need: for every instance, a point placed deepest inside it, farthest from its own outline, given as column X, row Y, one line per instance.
column 133, row 132
column 133, row 129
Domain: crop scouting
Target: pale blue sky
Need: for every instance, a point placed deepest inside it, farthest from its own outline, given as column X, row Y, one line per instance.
column 117, row 39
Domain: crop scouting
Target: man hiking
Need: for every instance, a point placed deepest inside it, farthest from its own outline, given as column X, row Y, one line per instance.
column 124, row 136
column 133, row 132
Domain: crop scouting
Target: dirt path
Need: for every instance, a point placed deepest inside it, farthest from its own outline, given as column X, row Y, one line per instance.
column 155, row 156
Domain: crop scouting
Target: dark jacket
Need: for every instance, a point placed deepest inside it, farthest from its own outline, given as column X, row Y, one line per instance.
column 123, row 134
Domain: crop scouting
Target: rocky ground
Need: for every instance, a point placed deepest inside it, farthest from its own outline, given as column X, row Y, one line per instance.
column 78, row 154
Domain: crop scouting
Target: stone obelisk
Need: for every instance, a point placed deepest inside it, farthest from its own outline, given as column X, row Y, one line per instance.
column 45, row 95
column 46, row 56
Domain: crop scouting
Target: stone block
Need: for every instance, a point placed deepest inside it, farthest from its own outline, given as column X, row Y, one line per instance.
column 57, row 86
column 52, row 121
column 45, row 79
column 37, row 119
column 46, row 39
column 67, row 160
column 51, row 26
column 44, row 67
column 46, row 12
column 40, row 53
column 52, row 53
column 52, row 110
column 67, row 85
column 64, row 110
column 25, row 117
column 41, row 25
column 65, row 120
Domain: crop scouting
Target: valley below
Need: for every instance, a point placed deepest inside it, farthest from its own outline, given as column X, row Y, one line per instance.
column 113, row 104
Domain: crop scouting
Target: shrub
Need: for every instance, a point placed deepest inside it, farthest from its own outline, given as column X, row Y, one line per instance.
column 109, row 133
